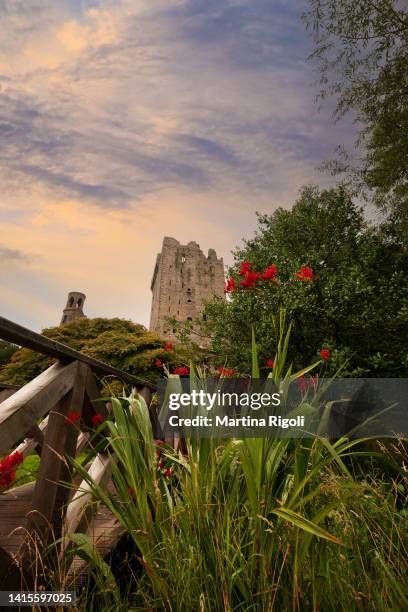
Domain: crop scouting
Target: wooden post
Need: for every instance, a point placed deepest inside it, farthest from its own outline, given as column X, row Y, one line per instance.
column 60, row 439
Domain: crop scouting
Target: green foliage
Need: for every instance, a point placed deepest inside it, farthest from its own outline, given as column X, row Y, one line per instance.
column 262, row 524
column 6, row 351
column 361, row 50
column 357, row 306
column 123, row 344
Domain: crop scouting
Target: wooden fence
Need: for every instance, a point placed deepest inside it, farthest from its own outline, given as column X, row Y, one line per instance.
column 33, row 418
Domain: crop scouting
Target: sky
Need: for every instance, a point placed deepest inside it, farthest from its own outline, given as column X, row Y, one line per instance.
column 124, row 121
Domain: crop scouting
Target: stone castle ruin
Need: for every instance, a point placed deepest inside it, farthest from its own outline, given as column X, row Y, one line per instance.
column 183, row 279
column 73, row 309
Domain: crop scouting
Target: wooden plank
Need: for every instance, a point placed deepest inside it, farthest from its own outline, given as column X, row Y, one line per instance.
column 104, row 531
column 77, row 404
column 25, row 337
column 80, row 508
column 19, row 413
column 32, row 443
column 50, row 496
column 5, row 393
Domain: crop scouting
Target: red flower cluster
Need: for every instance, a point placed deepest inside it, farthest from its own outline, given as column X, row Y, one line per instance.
column 72, row 417
column 230, row 285
column 305, row 274
column 325, row 354
column 270, row 272
column 8, row 466
column 168, row 346
column 270, row 363
column 161, row 461
column 245, row 268
column 97, row 419
column 225, row 371
column 307, row 383
column 250, row 279
column 181, row 371
column 158, row 363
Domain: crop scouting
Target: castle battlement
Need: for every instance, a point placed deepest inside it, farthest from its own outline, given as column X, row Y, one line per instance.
column 183, row 279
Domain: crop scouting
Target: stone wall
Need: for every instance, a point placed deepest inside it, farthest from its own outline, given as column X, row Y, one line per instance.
column 182, row 279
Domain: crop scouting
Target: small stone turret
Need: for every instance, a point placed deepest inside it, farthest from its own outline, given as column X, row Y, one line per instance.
column 73, row 309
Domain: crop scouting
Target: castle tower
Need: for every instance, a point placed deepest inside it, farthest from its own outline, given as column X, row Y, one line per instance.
column 73, row 309
column 183, row 279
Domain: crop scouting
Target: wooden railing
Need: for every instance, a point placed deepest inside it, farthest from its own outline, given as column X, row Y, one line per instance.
column 34, row 418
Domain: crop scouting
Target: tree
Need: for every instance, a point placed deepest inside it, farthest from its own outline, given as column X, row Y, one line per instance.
column 6, row 351
column 356, row 305
column 361, row 50
column 123, row 344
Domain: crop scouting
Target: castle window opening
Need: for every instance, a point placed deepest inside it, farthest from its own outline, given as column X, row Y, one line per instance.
column 189, row 319
column 79, row 303
column 71, row 302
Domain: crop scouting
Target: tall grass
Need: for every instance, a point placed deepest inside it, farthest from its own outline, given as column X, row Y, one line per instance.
column 247, row 524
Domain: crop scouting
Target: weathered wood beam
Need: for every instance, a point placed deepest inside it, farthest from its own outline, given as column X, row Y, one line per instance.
column 20, row 412
column 41, row 344
column 5, row 393
column 52, row 491
column 81, row 508
column 33, row 442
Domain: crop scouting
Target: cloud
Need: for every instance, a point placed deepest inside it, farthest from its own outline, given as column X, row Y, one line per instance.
column 8, row 256
column 131, row 99
column 124, row 121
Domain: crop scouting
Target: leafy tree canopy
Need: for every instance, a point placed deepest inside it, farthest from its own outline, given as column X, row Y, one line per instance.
column 361, row 50
column 6, row 351
column 356, row 305
column 123, row 344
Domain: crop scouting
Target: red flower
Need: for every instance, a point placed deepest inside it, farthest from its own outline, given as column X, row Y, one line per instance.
column 168, row 346
column 270, row 272
column 250, row 280
column 225, row 371
column 160, row 465
column 72, row 417
column 158, row 363
column 230, row 285
column 324, row 354
column 97, row 419
column 305, row 274
column 181, row 371
column 7, row 478
column 169, row 472
column 159, row 442
column 270, row 363
column 303, row 383
column 245, row 268
column 11, row 461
